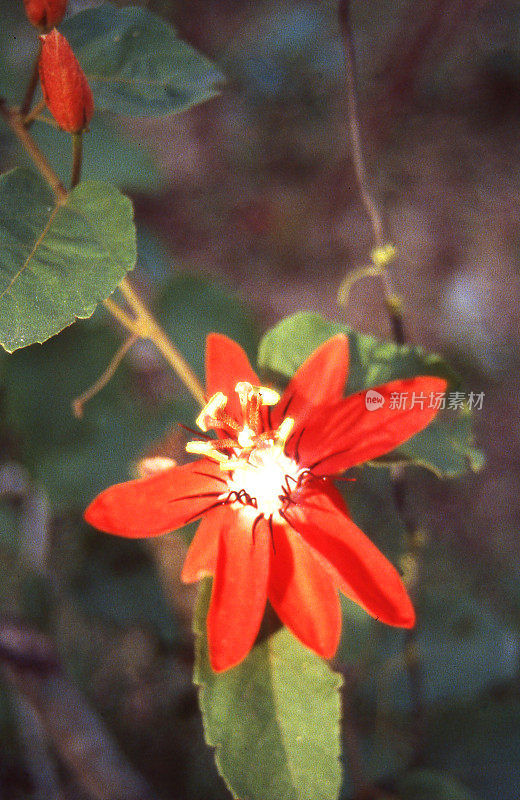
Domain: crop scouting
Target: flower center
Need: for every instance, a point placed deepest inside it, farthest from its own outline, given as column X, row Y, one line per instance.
column 258, row 472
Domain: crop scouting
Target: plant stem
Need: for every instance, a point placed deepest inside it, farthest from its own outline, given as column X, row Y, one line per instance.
column 79, row 402
column 149, row 328
column 15, row 121
column 394, row 307
column 33, row 83
column 77, row 158
column 34, row 113
column 392, row 300
column 144, row 323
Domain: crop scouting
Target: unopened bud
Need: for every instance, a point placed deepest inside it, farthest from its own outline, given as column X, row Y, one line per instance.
column 64, row 85
column 45, row 14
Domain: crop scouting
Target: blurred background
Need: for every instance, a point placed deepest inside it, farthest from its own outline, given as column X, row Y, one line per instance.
column 248, row 210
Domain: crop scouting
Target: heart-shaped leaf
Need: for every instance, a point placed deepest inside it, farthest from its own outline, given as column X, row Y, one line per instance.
column 273, row 719
column 58, row 259
column 136, row 64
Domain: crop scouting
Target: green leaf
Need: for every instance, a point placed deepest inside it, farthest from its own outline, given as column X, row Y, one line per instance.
column 192, row 306
column 75, row 459
column 273, row 719
column 372, row 362
column 430, row 785
column 58, row 260
column 136, row 64
column 445, row 446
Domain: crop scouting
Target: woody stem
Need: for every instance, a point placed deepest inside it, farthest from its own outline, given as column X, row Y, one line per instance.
column 144, row 324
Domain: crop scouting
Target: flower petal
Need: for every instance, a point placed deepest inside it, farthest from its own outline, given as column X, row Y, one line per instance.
column 201, row 558
column 239, row 588
column 303, row 593
column 157, row 504
column 320, row 379
column 226, row 365
column 364, row 573
column 343, row 434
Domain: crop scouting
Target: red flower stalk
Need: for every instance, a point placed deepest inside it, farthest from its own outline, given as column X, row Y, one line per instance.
column 45, row 14
column 274, row 526
column 64, row 85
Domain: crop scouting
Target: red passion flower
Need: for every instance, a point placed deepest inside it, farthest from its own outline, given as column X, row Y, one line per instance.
column 273, row 524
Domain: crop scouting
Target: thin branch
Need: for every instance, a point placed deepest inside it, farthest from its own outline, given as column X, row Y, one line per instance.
column 16, row 123
column 34, row 113
column 383, row 253
column 79, row 402
column 33, row 83
column 354, row 127
column 394, row 307
column 149, row 328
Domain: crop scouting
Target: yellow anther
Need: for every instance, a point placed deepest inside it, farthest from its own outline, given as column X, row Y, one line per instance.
column 207, row 449
column 283, row 432
column 232, row 464
column 268, row 396
column 210, row 411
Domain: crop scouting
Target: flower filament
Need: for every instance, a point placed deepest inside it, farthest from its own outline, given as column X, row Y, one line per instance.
column 258, row 472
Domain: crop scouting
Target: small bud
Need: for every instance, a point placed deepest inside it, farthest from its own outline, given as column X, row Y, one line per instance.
column 45, row 14
column 64, row 85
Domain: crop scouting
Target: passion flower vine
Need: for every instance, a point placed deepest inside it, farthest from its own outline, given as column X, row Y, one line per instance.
column 274, row 526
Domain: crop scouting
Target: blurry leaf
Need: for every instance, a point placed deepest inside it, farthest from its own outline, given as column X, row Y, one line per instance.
column 153, row 257
column 479, row 743
column 75, row 459
column 429, row 785
column 124, row 592
column 18, row 49
column 108, row 155
column 371, row 502
column 136, row 64
column 273, row 719
column 428, row 447
column 372, row 362
column 58, row 260
column 463, row 645
column 192, row 306
column 445, row 447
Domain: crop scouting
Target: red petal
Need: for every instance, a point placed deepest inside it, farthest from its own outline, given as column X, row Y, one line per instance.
column 345, row 433
column 320, row 379
column 157, row 504
column 239, row 588
column 226, row 365
column 201, row 558
column 364, row 573
column 303, row 593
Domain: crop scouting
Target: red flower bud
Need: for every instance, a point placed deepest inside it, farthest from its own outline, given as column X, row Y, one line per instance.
column 45, row 13
column 65, row 87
